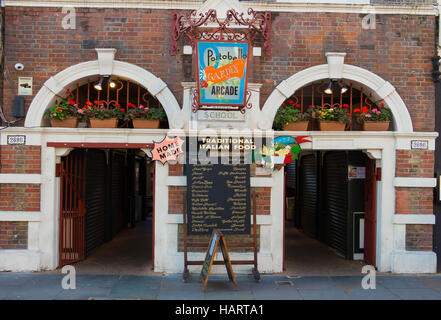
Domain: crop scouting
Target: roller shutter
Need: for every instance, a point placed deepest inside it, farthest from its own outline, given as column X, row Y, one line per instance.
column 336, row 195
column 95, row 198
column 309, row 194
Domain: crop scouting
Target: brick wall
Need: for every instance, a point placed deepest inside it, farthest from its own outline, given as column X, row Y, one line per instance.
column 13, row 235
column 19, row 197
column 415, row 163
column 414, row 200
column 34, row 36
column 20, row 159
column 419, row 237
column 175, row 169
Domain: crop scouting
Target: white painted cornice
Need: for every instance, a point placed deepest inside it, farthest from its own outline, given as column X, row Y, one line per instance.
column 430, row 10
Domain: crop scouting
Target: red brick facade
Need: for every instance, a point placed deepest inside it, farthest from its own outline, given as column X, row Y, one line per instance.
column 20, row 159
column 415, row 163
column 299, row 41
column 13, row 235
column 19, row 197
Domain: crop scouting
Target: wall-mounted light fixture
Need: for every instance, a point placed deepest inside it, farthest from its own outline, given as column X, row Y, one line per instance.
column 328, row 89
column 99, row 86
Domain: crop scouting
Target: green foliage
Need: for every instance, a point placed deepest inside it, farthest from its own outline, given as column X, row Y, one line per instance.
column 376, row 114
column 332, row 114
column 61, row 111
column 142, row 112
column 286, row 114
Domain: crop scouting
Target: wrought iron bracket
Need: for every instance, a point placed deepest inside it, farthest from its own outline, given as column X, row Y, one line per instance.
column 235, row 27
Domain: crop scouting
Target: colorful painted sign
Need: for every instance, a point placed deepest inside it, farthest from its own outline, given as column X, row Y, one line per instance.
column 168, row 149
column 222, row 73
column 285, row 149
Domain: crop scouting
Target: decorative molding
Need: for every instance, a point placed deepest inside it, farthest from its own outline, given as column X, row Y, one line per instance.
column 336, row 61
column 415, row 182
column 373, row 153
column 105, row 60
column 81, row 71
column 370, row 81
column 286, row 6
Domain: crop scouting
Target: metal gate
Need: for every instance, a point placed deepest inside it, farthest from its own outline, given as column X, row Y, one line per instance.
column 71, row 171
column 370, row 216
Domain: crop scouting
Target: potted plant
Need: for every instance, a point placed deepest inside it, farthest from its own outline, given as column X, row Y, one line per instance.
column 291, row 118
column 145, row 117
column 101, row 117
column 64, row 114
column 377, row 119
column 332, row 119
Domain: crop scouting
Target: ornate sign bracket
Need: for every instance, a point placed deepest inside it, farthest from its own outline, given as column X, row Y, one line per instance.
column 247, row 28
column 236, row 27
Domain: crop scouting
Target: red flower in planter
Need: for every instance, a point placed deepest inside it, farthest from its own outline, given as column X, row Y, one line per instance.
column 117, row 105
column 297, row 105
column 71, row 102
column 89, row 103
column 68, row 92
column 122, row 110
column 345, row 105
column 291, row 101
column 365, row 109
column 357, row 110
column 60, row 109
column 382, row 104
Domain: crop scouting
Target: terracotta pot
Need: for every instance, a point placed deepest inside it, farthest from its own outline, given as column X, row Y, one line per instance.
column 332, row 126
column 66, row 123
column 145, row 124
column 105, row 123
column 376, row 125
column 296, row 126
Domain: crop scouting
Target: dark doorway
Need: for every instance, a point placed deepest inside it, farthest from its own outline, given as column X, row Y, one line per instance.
column 115, row 200
column 326, row 196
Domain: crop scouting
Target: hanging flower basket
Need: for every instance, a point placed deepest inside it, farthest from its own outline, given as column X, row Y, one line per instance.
column 145, row 124
column 105, row 123
column 70, row 122
column 296, row 126
column 376, row 125
column 332, row 126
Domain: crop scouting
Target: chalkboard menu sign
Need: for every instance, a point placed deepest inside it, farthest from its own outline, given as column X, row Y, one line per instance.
column 218, row 198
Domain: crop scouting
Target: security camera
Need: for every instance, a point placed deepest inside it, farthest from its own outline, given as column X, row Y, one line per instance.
column 19, row 66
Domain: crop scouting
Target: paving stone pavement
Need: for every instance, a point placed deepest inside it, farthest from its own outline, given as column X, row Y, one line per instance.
column 34, row 286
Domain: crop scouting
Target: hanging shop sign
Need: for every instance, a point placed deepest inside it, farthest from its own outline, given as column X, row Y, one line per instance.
column 222, row 73
column 168, row 149
column 284, row 149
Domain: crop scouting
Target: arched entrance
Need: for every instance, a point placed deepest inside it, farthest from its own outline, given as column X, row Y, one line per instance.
column 380, row 150
column 55, row 86
column 375, row 86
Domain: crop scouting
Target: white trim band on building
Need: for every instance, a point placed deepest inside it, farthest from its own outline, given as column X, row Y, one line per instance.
column 20, row 178
column 20, row 216
column 280, row 6
column 415, row 182
column 413, row 219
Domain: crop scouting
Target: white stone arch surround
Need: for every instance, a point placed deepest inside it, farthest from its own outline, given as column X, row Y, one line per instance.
column 380, row 89
column 105, row 65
